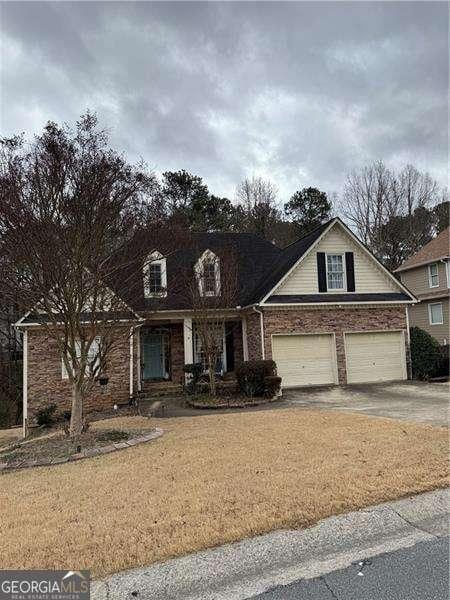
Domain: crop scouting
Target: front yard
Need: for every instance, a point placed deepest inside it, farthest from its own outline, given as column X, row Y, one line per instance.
column 211, row 479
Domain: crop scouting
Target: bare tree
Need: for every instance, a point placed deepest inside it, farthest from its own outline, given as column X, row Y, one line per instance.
column 67, row 209
column 379, row 202
column 211, row 293
column 258, row 198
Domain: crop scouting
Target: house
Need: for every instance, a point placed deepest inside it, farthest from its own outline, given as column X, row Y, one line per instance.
column 427, row 275
column 323, row 308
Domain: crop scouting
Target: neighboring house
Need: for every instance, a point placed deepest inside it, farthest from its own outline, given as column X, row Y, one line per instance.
column 323, row 308
column 427, row 275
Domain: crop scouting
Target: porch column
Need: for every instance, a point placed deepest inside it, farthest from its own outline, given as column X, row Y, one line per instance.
column 244, row 338
column 25, row 384
column 138, row 358
column 187, row 338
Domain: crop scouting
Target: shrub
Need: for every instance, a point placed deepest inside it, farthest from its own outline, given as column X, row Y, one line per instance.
column 195, row 370
column 251, row 376
column 273, row 385
column 45, row 416
column 425, row 354
column 443, row 366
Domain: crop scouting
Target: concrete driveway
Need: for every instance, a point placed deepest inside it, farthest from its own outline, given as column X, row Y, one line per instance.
column 407, row 400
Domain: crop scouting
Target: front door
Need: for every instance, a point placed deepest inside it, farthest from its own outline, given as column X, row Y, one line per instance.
column 153, row 356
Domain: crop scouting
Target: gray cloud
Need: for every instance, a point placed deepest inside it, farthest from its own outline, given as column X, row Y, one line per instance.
column 298, row 92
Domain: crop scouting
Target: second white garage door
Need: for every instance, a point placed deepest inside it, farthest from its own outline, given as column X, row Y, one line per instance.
column 376, row 356
column 305, row 359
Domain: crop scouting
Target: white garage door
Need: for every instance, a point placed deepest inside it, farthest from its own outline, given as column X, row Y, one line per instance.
column 305, row 359
column 375, row 356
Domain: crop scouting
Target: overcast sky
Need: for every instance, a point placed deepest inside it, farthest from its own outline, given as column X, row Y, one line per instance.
column 300, row 93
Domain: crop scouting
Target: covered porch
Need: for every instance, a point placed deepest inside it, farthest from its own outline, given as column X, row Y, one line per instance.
column 164, row 347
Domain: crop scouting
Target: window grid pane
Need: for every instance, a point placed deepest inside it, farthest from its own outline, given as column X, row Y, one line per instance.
column 155, row 278
column 209, row 278
column 335, row 269
column 434, row 277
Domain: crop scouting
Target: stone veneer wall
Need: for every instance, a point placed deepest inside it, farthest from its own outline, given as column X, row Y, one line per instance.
column 324, row 320
column 253, row 335
column 46, row 385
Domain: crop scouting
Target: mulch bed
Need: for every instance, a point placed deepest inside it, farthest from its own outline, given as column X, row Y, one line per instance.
column 227, row 402
column 55, row 448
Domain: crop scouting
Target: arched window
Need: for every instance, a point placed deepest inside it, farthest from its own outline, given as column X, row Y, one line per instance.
column 207, row 271
column 155, row 276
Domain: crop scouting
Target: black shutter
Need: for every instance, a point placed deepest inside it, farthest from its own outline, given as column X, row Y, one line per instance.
column 321, row 272
column 350, row 271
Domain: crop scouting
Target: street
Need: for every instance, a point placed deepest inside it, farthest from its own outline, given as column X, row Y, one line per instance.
column 417, row 573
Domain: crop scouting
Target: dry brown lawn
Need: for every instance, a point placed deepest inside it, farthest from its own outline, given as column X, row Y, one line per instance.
column 10, row 435
column 211, row 479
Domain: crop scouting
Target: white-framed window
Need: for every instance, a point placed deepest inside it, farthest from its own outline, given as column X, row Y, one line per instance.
column 207, row 271
column 155, row 276
column 93, row 358
column 433, row 275
column 335, row 272
column 435, row 313
column 218, row 332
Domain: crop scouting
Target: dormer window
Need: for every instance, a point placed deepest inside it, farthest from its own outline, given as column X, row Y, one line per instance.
column 155, row 276
column 207, row 272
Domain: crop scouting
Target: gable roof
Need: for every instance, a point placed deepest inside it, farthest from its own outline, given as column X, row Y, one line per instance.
column 435, row 250
column 288, row 258
column 301, row 248
column 261, row 267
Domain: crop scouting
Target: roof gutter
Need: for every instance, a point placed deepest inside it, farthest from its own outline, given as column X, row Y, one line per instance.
column 423, row 263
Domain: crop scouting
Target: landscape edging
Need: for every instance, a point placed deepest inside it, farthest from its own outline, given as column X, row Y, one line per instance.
column 88, row 453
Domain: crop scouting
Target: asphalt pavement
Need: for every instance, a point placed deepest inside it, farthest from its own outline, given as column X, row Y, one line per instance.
column 417, row 573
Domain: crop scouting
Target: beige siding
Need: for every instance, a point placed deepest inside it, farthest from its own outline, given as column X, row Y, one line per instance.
column 419, row 317
column 417, row 280
column 369, row 277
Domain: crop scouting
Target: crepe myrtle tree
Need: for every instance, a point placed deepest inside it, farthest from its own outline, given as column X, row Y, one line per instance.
column 68, row 225
column 211, row 291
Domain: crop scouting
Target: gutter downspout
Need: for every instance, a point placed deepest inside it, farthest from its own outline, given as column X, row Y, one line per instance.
column 261, row 322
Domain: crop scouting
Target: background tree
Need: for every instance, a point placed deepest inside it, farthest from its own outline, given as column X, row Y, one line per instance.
column 308, row 208
column 212, row 213
column 380, row 202
column 441, row 213
column 67, row 206
column 184, row 194
column 257, row 198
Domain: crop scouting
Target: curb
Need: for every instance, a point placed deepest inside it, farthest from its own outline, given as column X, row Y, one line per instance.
column 244, row 569
column 88, row 453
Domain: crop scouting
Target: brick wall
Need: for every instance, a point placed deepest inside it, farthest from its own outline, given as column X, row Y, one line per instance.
column 324, row 320
column 177, row 352
column 46, row 386
column 238, row 344
column 253, row 335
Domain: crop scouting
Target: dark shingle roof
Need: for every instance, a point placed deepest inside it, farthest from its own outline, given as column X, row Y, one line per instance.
column 260, row 266
column 287, row 259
